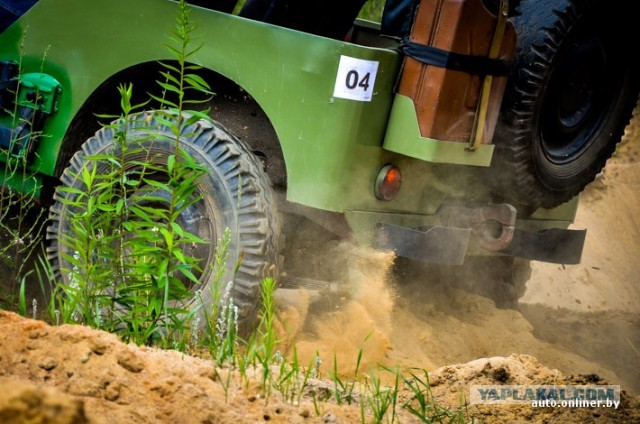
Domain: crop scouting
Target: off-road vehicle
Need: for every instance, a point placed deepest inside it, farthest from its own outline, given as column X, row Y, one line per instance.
column 467, row 138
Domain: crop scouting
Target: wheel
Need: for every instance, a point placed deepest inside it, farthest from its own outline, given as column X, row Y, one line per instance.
column 569, row 97
column 234, row 193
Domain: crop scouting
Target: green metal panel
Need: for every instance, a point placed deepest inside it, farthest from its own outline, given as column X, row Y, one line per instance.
column 332, row 146
column 290, row 74
column 403, row 136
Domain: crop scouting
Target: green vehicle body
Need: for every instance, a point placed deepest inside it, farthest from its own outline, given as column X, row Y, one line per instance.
column 332, row 148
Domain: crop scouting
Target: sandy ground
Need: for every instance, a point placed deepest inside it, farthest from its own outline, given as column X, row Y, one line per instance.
column 572, row 322
column 76, row 375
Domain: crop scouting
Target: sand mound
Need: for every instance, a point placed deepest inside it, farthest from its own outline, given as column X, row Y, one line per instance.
column 73, row 375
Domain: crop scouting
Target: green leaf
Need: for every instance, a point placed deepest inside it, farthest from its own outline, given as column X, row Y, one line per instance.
column 138, row 211
column 175, row 52
column 162, row 268
column 192, row 67
column 177, row 229
column 158, row 184
column 171, row 161
column 106, row 116
column 177, row 253
column 168, row 238
column 170, row 67
column 169, row 87
column 139, row 106
column 187, row 273
column 170, row 77
column 198, row 115
column 22, row 300
column 197, row 81
column 105, row 207
column 163, row 101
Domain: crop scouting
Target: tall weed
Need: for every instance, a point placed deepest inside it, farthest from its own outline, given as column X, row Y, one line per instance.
column 130, row 268
column 21, row 217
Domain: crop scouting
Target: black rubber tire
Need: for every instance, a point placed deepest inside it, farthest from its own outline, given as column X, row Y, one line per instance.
column 571, row 93
column 235, row 193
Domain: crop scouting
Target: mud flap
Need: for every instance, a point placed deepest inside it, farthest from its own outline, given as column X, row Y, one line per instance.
column 442, row 245
column 552, row 245
column 448, row 245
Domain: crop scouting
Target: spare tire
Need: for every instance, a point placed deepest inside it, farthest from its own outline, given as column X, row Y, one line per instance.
column 569, row 98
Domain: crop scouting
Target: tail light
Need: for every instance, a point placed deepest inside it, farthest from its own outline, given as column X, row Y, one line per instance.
column 388, row 182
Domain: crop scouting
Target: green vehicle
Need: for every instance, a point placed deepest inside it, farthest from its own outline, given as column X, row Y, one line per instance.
column 466, row 141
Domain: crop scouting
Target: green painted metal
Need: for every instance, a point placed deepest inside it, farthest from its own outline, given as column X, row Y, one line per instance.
column 290, row 74
column 38, row 90
column 333, row 147
column 403, row 136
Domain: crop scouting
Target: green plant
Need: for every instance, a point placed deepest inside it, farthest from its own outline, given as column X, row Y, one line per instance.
column 381, row 399
column 344, row 391
column 263, row 346
column 21, row 218
column 22, row 299
column 291, row 378
column 130, row 267
column 423, row 406
column 225, row 382
column 226, row 330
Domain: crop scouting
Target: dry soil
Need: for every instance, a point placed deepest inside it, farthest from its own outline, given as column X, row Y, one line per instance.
column 575, row 324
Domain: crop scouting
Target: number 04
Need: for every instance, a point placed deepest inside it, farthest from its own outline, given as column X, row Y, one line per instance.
column 353, row 80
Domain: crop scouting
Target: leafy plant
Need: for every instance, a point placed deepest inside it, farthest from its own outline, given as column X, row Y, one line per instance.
column 265, row 347
column 130, row 270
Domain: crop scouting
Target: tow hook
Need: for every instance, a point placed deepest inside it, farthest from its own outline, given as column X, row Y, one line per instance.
column 493, row 225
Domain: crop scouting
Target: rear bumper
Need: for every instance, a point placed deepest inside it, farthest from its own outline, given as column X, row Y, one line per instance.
column 449, row 245
column 454, row 233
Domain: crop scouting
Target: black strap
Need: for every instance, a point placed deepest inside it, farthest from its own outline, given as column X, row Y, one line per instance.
column 480, row 65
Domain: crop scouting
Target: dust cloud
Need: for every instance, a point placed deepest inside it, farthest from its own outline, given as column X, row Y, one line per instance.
column 355, row 321
column 580, row 319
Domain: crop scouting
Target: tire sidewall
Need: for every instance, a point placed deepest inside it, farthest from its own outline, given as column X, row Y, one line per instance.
column 233, row 178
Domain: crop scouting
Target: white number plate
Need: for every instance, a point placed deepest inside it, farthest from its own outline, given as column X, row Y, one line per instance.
column 355, row 79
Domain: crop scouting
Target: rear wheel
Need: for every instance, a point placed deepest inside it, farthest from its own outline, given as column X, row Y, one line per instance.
column 571, row 94
column 234, row 193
